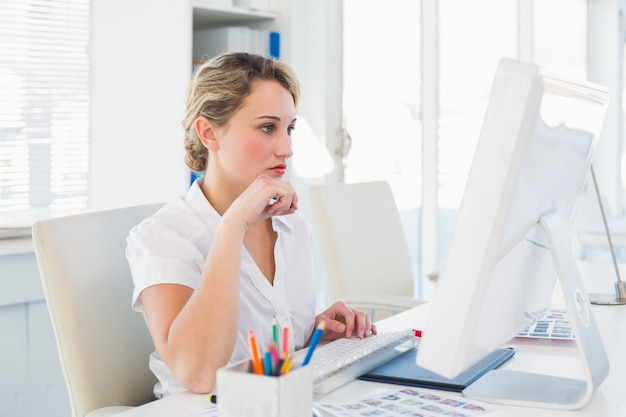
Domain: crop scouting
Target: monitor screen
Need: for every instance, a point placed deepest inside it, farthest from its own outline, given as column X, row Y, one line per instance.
column 528, row 172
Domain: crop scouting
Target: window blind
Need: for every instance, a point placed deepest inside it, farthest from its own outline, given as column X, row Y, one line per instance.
column 44, row 106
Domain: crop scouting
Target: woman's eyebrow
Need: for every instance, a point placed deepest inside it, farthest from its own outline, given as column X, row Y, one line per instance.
column 275, row 118
column 268, row 117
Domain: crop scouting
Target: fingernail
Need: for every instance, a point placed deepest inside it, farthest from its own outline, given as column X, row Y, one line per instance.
column 341, row 328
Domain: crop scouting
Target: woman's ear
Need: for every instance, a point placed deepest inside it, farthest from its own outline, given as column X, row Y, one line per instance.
column 206, row 132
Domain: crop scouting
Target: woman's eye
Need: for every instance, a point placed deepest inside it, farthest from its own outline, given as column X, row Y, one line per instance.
column 267, row 128
column 290, row 130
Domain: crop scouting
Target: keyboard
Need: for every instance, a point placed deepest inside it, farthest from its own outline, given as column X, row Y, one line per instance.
column 343, row 360
column 553, row 325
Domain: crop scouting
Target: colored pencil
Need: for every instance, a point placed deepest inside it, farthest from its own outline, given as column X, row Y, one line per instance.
column 254, row 353
column 285, row 340
column 317, row 334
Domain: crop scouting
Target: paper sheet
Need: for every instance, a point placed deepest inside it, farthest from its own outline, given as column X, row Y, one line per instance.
column 407, row 402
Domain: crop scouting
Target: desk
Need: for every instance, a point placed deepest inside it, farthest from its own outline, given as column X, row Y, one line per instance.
column 553, row 357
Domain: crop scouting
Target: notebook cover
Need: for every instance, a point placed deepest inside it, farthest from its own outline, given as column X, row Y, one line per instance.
column 403, row 370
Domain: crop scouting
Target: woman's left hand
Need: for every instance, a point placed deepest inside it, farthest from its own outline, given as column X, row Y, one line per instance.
column 343, row 321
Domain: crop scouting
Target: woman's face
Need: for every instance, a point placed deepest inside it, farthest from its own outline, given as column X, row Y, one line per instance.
column 257, row 138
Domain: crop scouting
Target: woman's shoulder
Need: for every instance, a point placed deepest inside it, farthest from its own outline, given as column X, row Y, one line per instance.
column 190, row 210
column 177, row 217
column 165, row 223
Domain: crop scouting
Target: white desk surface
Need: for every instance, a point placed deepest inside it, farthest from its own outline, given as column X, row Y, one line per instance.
column 542, row 356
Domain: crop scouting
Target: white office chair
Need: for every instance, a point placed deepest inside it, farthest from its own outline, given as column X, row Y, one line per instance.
column 364, row 246
column 103, row 344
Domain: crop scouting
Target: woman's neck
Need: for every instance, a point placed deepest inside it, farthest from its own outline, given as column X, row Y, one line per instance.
column 218, row 195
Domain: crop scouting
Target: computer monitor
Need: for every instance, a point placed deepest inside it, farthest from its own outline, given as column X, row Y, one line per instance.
column 512, row 238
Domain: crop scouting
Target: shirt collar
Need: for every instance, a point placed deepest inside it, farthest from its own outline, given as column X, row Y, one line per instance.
column 202, row 207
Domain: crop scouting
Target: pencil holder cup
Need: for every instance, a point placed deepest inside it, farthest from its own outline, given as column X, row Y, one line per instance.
column 244, row 393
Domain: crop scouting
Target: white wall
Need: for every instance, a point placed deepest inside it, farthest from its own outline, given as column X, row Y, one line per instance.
column 141, row 66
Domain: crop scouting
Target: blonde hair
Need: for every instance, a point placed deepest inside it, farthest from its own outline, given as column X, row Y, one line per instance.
column 219, row 87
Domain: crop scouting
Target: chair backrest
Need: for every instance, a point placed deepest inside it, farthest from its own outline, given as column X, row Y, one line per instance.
column 362, row 239
column 103, row 344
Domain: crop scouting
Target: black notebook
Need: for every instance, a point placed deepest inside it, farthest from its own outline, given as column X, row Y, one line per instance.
column 403, row 370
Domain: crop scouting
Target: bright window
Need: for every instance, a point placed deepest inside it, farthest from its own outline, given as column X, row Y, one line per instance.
column 44, row 106
column 389, row 99
column 382, row 95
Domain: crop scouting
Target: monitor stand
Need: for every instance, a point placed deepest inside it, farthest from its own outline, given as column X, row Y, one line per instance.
column 519, row 388
column 619, row 297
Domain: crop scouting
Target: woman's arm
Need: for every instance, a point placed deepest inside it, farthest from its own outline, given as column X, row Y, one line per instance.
column 195, row 331
column 195, row 336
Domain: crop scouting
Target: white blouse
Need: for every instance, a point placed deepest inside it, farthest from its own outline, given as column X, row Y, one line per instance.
column 171, row 247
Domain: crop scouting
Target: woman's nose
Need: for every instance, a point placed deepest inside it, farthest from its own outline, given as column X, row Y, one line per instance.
column 284, row 148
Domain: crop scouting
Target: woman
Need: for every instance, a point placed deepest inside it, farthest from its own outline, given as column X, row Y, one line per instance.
column 233, row 254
